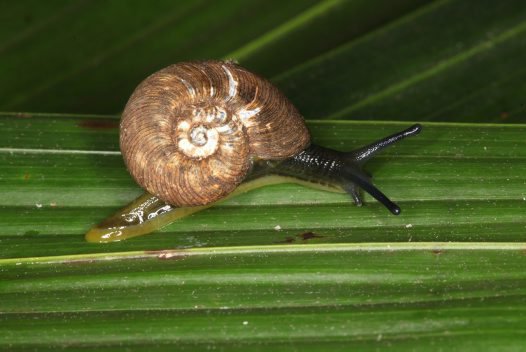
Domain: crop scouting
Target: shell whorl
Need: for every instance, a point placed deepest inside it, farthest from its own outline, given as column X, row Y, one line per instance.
column 190, row 131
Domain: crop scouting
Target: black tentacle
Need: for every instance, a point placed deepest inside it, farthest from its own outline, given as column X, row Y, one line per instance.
column 361, row 155
column 340, row 169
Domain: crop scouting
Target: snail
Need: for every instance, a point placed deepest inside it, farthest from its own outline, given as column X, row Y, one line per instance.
column 195, row 133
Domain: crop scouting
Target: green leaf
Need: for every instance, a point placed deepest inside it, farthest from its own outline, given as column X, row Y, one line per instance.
column 312, row 297
column 64, row 174
column 317, row 282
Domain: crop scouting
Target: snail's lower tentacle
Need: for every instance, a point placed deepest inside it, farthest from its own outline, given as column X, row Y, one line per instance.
column 358, row 177
column 354, row 191
column 323, row 165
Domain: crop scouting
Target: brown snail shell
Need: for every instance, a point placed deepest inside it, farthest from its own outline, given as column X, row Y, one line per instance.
column 190, row 132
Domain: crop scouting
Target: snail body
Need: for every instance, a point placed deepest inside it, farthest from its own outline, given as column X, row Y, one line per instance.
column 195, row 133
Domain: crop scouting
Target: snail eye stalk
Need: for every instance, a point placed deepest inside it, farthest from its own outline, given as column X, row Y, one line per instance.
column 361, row 155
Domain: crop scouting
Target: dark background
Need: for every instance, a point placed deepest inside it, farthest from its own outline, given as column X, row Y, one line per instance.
column 460, row 60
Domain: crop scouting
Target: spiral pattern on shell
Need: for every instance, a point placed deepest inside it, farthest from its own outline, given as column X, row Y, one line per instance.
column 190, row 132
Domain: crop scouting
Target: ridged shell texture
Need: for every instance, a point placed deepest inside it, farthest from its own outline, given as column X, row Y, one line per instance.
column 190, row 131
